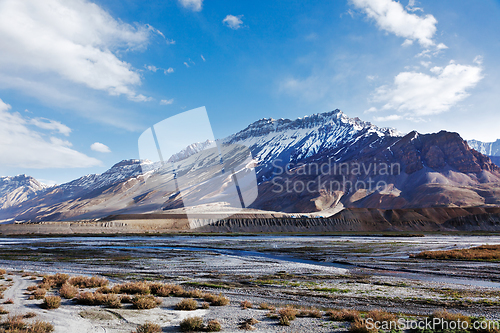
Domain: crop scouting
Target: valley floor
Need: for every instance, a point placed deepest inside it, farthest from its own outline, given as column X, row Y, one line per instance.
column 325, row 272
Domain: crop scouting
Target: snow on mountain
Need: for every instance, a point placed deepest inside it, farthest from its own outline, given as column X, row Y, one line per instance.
column 117, row 173
column 486, row 148
column 14, row 190
column 290, row 141
column 191, row 150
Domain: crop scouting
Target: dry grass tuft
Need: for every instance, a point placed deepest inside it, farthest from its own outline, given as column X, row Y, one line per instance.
column 133, row 288
column 148, row 328
column 288, row 312
column 9, row 301
column 343, row 315
column 51, row 302
column 246, row 305
column 216, row 300
column 483, row 252
column 265, row 306
column 191, row 324
column 205, row 305
column 145, row 302
column 187, row 304
column 311, row 313
column 68, row 291
column 3, row 311
column 213, row 326
column 88, row 282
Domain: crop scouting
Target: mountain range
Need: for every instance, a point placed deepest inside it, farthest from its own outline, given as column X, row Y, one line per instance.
column 329, row 151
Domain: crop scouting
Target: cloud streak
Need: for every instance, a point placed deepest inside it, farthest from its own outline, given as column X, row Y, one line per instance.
column 23, row 147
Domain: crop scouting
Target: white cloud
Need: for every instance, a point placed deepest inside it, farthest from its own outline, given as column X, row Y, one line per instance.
column 391, row 117
column 411, row 6
column 151, row 68
column 100, row 147
column 187, row 65
column 371, row 77
column 22, row 147
column 392, row 17
column 52, row 125
column 194, row 5
column 372, row 109
column 166, row 101
column 423, row 94
column 233, row 22
column 168, row 70
column 76, row 41
column 170, row 41
column 426, row 64
column 202, row 57
column 407, row 42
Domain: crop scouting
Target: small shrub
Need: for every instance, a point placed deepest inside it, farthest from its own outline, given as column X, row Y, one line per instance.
column 32, row 287
column 126, row 299
column 41, row 327
column 284, row 321
column 288, row 312
column 343, row 315
column 14, row 323
column 161, row 289
column 148, row 328
column 213, row 326
column 188, row 304
column 112, row 301
column 86, row 298
column 86, row 282
column 68, row 291
column 3, row 311
column 9, row 301
column 191, row 324
column 312, row 313
column 246, row 305
column 3, row 271
column 145, row 302
column 382, row 316
column 205, row 305
column 56, row 280
column 29, row 315
column 359, row 326
column 39, row 293
column 196, row 293
column 51, row 302
column 265, row 306
column 134, row 288
column 216, row 300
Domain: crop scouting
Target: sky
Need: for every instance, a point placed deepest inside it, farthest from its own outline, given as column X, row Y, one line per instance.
column 81, row 80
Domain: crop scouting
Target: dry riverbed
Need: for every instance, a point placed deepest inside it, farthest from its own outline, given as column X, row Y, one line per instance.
column 356, row 273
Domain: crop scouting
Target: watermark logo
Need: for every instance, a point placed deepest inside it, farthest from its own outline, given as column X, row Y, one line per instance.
column 212, row 180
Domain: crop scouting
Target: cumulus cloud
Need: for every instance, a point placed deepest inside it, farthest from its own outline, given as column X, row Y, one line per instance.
column 100, row 147
column 194, row 5
column 166, row 101
column 168, row 70
column 233, row 22
column 422, row 94
column 20, row 146
column 76, row 41
column 392, row 17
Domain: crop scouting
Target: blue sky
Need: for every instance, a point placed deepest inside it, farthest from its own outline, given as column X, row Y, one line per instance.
column 80, row 80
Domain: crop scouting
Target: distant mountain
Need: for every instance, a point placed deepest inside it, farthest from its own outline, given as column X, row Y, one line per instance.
column 486, row 148
column 15, row 190
column 421, row 170
column 491, row 149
